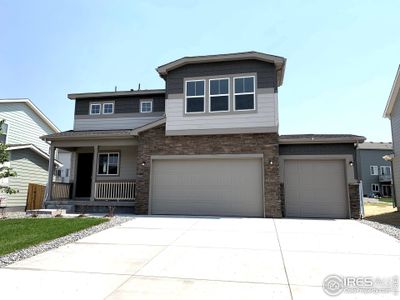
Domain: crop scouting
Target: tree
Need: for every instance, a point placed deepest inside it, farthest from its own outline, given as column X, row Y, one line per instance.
column 5, row 171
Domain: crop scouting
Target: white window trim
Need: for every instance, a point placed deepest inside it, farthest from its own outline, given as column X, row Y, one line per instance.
column 108, row 113
column 8, row 130
column 247, row 93
column 218, row 95
column 373, row 168
column 197, row 96
column 90, row 109
column 372, row 187
column 151, row 106
column 385, row 167
column 108, row 153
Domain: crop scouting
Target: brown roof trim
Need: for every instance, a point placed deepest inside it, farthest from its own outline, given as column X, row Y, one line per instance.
column 279, row 61
column 320, row 139
column 116, row 94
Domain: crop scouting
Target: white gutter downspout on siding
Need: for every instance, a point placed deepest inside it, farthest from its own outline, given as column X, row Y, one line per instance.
column 361, row 191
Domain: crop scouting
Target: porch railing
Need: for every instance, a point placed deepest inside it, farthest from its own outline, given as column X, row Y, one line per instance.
column 61, row 190
column 117, row 190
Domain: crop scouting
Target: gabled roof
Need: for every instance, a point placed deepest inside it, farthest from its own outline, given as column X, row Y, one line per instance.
column 320, row 138
column 35, row 149
column 278, row 61
column 116, row 94
column 393, row 95
column 35, row 109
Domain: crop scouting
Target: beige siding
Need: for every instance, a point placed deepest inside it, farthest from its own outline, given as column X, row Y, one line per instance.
column 266, row 116
column 30, row 168
column 127, row 170
column 395, row 124
column 113, row 123
column 21, row 117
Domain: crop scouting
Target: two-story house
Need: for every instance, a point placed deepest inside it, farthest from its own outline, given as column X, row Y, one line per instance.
column 207, row 144
column 374, row 171
column 23, row 124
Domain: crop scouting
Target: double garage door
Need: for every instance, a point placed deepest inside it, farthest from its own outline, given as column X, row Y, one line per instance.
column 210, row 186
column 315, row 188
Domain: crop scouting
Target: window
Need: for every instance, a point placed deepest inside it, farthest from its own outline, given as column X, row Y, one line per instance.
column 244, row 93
column 375, row 187
column 195, row 96
column 66, row 172
column 3, row 134
column 95, row 108
column 108, row 108
column 146, row 106
column 108, row 164
column 385, row 170
column 219, row 95
column 373, row 170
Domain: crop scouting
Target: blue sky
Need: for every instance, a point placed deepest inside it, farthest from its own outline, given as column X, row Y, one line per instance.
column 342, row 56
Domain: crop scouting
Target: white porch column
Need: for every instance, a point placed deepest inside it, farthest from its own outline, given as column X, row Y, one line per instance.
column 51, row 173
column 94, row 171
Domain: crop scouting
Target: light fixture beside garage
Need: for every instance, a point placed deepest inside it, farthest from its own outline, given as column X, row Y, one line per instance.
column 270, row 162
column 143, row 163
column 351, row 164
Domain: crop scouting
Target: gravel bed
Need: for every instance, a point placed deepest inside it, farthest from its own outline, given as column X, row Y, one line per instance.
column 43, row 247
column 393, row 230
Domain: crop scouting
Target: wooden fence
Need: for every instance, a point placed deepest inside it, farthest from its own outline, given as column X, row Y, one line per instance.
column 35, row 197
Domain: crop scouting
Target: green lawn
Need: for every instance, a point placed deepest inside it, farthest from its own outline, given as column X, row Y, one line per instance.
column 17, row 234
column 387, row 200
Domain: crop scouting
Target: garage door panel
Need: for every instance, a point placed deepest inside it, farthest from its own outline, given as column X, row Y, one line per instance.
column 207, row 187
column 315, row 188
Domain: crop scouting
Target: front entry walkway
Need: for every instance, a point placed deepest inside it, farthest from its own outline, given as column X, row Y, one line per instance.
column 206, row 258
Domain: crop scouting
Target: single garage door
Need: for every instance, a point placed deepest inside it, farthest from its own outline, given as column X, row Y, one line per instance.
column 315, row 188
column 207, row 186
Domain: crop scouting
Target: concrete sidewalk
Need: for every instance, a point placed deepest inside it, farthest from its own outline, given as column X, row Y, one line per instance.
column 206, row 258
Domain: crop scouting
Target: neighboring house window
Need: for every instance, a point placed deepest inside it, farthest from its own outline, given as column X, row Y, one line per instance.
column 108, row 108
column 373, row 170
column 244, row 93
column 66, row 172
column 219, row 95
column 195, row 96
column 3, row 135
column 59, row 173
column 386, row 170
column 95, row 108
column 375, row 187
column 108, row 164
column 146, row 106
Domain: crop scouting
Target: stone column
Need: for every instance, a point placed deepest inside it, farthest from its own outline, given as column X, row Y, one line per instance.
column 94, row 169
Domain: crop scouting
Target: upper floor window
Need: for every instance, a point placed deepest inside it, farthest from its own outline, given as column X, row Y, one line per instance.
column 95, row 108
column 195, row 96
column 108, row 108
column 385, row 170
column 373, row 170
column 146, row 106
column 219, row 95
column 108, row 163
column 244, row 93
column 4, row 131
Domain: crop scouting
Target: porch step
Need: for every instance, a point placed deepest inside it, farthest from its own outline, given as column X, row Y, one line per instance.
column 50, row 212
column 69, row 208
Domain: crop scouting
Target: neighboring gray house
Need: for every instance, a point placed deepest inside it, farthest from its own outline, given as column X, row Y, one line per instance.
column 374, row 171
column 28, row 154
column 392, row 112
column 207, row 144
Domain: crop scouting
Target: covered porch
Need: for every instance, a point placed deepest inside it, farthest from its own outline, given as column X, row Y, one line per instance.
column 102, row 172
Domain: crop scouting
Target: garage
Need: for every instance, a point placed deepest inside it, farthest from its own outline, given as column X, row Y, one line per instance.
column 207, row 186
column 315, row 188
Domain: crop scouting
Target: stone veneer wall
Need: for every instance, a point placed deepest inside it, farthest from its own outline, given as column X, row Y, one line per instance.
column 155, row 142
column 354, row 195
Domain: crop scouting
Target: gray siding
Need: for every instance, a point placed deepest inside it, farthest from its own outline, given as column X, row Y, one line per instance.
column 114, row 123
column 266, row 74
column 30, row 168
column 367, row 158
column 123, row 105
column 19, row 117
column 320, row 149
column 395, row 124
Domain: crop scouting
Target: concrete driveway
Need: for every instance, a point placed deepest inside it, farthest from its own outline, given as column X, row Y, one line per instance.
column 206, row 258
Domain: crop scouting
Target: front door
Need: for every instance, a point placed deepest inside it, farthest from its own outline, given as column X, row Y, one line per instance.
column 84, row 175
column 386, row 190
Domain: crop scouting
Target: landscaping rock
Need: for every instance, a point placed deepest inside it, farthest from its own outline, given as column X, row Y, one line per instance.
column 393, row 230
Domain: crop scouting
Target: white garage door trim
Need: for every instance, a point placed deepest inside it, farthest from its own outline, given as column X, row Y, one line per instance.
column 207, row 156
column 349, row 172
